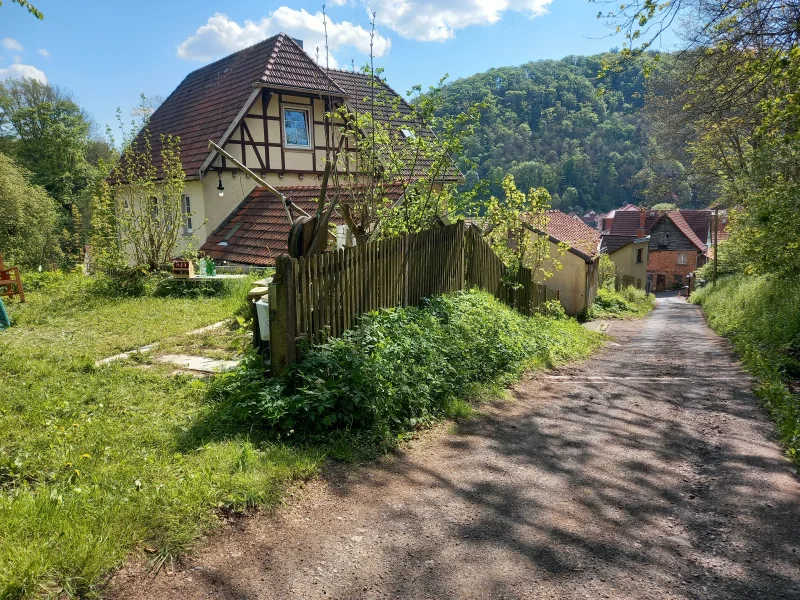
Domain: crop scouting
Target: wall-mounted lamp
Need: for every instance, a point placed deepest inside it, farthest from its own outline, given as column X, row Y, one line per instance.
column 220, row 187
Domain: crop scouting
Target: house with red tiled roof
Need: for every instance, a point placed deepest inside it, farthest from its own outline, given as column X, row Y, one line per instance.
column 576, row 280
column 266, row 106
column 608, row 218
column 679, row 242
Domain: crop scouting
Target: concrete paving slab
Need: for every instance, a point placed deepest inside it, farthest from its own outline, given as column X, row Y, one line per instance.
column 198, row 363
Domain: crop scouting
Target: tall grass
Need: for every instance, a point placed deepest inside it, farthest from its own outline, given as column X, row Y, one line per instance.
column 627, row 303
column 761, row 317
column 402, row 368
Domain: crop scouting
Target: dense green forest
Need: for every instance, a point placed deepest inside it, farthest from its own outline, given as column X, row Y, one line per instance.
column 555, row 124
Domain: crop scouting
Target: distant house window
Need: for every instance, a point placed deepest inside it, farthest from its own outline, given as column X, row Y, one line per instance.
column 678, row 279
column 187, row 215
column 296, row 127
column 682, row 258
column 640, row 255
column 407, row 133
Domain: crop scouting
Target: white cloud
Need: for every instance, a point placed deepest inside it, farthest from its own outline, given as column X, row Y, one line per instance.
column 18, row 71
column 221, row 35
column 43, row 52
column 438, row 20
column 12, row 44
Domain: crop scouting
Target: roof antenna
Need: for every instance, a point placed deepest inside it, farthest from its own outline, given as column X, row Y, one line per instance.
column 325, row 25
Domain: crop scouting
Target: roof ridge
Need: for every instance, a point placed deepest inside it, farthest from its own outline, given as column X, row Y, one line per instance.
column 285, row 39
column 273, row 54
column 228, row 56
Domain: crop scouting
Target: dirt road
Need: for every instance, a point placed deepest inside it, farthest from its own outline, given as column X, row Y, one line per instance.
column 647, row 472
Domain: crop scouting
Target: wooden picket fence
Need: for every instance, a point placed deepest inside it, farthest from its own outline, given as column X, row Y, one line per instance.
column 321, row 296
column 486, row 271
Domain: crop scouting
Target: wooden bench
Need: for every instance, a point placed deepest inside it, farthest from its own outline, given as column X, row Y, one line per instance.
column 10, row 282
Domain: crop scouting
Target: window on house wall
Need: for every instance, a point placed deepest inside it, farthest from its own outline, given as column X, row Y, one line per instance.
column 682, row 258
column 640, row 255
column 296, row 129
column 678, row 279
column 187, row 214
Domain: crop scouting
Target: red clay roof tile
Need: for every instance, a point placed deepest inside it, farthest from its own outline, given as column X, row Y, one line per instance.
column 576, row 233
column 257, row 231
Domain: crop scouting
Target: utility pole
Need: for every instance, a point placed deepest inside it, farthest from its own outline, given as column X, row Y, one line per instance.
column 716, row 243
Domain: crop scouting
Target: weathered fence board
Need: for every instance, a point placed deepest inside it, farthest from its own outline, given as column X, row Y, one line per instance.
column 320, row 296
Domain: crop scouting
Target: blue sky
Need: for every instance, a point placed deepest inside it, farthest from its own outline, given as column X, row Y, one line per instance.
column 107, row 53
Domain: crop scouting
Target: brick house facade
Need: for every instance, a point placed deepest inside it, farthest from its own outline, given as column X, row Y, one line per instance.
column 676, row 248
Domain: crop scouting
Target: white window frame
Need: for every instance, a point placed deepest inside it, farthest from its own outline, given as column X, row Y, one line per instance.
column 309, row 126
column 684, row 256
column 186, row 207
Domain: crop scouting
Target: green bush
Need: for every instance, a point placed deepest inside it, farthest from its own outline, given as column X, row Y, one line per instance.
column 629, row 302
column 402, row 368
column 761, row 317
column 28, row 219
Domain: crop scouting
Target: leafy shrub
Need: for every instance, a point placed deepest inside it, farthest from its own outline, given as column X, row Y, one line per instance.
column 28, row 219
column 629, row 302
column 761, row 317
column 606, row 272
column 402, row 368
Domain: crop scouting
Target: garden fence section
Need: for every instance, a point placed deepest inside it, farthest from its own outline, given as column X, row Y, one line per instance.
column 320, row 296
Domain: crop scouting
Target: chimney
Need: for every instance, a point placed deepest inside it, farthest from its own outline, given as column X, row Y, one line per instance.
column 642, row 220
column 299, row 42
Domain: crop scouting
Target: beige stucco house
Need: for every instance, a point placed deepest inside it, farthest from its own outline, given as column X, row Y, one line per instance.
column 266, row 106
column 629, row 257
column 577, row 279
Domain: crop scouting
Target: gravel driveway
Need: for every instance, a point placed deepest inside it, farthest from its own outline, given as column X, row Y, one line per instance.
column 649, row 471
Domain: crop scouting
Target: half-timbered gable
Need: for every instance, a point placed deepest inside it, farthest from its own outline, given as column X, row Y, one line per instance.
column 268, row 107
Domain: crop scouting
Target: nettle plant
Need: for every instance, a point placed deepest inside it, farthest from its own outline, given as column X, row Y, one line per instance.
column 149, row 205
column 516, row 226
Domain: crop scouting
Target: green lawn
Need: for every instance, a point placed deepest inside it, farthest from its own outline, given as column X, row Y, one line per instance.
column 98, row 461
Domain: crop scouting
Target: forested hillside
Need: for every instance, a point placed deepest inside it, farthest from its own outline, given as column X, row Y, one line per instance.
column 550, row 124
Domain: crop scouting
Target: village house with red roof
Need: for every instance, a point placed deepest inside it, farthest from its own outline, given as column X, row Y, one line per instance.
column 678, row 242
column 577, row 279
column 266, row 106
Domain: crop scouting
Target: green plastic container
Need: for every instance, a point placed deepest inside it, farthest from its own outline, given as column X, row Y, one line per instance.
column 5, row 320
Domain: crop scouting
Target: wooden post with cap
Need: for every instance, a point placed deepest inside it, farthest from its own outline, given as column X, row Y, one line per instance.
column 282, row 323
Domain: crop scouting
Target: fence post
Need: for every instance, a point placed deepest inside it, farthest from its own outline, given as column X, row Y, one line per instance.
column 282, row 306
column 461, row 284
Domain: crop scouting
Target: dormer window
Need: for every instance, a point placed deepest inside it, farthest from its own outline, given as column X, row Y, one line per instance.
column 296, row 127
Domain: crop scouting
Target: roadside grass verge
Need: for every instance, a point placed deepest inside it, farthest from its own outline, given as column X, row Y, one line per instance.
column 401, row 370
column 761, row 317
column 627, row 303
column 96, row 462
